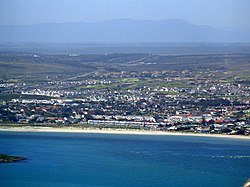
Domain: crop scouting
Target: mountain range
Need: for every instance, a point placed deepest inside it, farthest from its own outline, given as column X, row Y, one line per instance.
column 121, row 30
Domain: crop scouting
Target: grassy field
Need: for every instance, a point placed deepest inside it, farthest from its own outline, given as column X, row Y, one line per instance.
column 16, row 67
column 8, row 97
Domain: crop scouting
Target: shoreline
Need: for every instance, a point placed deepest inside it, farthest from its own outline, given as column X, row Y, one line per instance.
column 113, row 131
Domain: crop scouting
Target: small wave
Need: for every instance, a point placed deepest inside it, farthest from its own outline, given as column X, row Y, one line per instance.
column 232, row 157
column 141, row 152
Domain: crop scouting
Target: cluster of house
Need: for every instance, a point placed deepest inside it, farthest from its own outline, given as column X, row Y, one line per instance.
column 163, row 100
column 219, row 119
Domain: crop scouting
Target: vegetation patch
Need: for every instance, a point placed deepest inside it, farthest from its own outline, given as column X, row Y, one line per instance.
column 10, row 159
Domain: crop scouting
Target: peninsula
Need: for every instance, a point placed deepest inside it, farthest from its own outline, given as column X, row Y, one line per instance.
column 9, row 159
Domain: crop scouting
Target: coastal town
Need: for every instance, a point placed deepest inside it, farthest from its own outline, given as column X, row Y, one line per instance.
column 129, row 93
column 185, row 100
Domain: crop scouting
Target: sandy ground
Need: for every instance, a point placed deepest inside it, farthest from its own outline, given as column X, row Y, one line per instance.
column 112, row 131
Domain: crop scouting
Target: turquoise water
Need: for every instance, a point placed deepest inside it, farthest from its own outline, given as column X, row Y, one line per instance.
column 68, row 159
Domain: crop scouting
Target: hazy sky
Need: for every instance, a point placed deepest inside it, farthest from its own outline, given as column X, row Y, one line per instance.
column 219, row 13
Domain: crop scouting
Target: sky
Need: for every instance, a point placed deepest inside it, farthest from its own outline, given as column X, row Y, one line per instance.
column 217, row 13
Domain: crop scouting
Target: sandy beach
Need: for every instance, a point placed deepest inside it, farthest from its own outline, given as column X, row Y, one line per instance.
column 112, row 131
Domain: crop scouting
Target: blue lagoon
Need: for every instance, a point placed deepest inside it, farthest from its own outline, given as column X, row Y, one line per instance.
column 84, row 159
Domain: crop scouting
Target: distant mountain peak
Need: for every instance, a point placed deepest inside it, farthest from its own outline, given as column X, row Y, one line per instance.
column 120, row 30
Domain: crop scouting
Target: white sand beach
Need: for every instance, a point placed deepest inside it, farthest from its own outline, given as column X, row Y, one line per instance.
column 112, row 131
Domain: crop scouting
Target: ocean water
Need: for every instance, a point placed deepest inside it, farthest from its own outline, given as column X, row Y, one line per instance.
column 92, row 160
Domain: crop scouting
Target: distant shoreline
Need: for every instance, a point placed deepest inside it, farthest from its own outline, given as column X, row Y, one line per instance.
column 113, row 131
